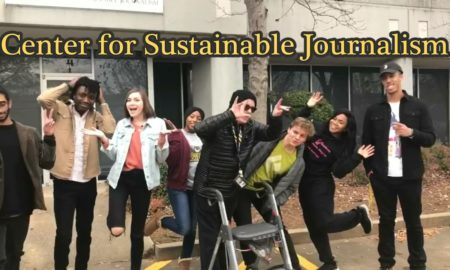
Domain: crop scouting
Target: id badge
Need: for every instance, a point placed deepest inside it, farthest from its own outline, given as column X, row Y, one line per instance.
column 240, row 179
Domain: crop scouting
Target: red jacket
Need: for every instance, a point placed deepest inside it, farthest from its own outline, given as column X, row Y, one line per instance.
column 178, row 161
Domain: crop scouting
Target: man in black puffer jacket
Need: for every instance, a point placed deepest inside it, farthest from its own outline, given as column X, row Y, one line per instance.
column 228, row 140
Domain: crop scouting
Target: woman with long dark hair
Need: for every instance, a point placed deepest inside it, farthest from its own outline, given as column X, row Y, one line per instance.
column 137, row 148
column 331, row 152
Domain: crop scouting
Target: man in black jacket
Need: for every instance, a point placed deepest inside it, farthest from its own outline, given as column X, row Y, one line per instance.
column 23, row 155
column 228, row 140
column 398, row 127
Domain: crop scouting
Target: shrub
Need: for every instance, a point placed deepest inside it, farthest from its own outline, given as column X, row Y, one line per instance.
column 441, row 155
column 357, row 177
column 161, row 191
column 298, row 99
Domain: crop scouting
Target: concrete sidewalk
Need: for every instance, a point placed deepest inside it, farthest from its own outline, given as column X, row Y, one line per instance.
column 106, row 253
column 114, row 253
column 359, row 253
column 169, row 251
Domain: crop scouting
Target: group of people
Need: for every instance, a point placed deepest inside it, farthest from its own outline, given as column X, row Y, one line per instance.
column 230, row 152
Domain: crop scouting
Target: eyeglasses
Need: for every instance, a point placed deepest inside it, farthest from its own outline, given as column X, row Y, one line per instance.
column 249, row 108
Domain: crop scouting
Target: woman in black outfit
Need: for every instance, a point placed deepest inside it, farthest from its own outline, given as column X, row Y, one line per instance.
column 331, row 152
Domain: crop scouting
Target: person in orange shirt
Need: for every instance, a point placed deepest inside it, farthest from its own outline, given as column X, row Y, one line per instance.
column 137, row 148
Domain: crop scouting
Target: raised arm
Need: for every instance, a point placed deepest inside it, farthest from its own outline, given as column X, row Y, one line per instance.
column 346, row 164
column 49, row 98
column 210, row 125
column 162, row 145
column 47, row 146
column 105, row 119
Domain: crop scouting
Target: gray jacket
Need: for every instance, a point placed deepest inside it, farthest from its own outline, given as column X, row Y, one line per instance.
column 287, row 184
column 36, row 154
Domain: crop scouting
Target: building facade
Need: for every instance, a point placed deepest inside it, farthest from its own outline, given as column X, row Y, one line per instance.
column 175, row 83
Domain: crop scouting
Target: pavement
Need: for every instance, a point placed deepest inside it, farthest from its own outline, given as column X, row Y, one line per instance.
column 106, row 252
column 352, row 251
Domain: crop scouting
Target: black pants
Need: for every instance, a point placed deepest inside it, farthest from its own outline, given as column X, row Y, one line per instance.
column 243, row 216
column 13, row 232
column 409, row 193
column 71, row 196
column 317, row 200
column 209, row 223
column 130, row 184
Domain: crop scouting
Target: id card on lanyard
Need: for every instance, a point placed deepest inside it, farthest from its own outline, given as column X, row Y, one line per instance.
column 239, row 180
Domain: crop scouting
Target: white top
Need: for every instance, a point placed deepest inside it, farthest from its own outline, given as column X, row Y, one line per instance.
column 195, row 144
column 395, row 162
column 78, row 161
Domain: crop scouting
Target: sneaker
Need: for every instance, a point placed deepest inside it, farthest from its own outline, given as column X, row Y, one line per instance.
column 328, row 266
column 153, row 223
column 365, row 221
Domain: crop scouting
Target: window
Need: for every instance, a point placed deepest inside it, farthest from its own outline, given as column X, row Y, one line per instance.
column 66, row 65
column 366, row 89
column 433, row 91
column 169, row 91
column 290, row 78
column 20, row 77
column 333, row 82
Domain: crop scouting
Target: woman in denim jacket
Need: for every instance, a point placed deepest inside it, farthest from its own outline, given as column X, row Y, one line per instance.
column 137, row 148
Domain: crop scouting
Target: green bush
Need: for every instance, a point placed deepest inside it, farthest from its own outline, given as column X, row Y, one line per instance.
column 441, row 155
column 298, row 99
column 161, row 191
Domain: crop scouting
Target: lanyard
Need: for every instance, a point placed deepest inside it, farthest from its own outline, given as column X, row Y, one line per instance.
column 237, row 138
column 238, row 141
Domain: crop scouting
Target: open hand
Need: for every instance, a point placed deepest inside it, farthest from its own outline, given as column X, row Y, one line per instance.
column 163, row 138
column 101, row 96
column 99, row 134
column 366, row 150
column 94, row 132
column 72, row 82
column 315, row 98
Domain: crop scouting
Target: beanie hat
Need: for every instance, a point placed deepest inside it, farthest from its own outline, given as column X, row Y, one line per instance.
column 242, row 95
column 190, row 110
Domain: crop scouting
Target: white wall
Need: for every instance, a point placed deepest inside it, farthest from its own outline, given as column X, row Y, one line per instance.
column 188, row 16
column 213, row 82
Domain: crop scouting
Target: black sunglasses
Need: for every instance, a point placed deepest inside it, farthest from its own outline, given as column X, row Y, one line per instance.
column 251, row 108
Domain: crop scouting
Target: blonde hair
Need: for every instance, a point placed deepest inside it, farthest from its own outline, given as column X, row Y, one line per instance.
column 304, row 124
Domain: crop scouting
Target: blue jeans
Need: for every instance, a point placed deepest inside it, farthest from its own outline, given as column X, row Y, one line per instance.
column 185, row 221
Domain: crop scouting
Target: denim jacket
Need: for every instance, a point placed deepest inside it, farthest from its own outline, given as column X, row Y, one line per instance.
column 152, row 155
